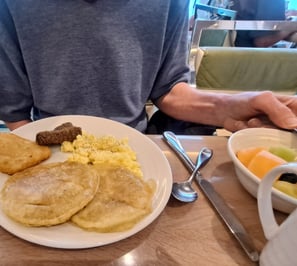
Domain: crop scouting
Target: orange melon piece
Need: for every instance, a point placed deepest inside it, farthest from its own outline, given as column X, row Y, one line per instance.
column 263, row 162
column 246, row 155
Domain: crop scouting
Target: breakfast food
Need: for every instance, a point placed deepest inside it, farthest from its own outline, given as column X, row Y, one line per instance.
column 49, row 194
column 246, row 155
column 263, row 162
column 64, row 132
column 123, row 197
column 260, row 160
column 287, row 188
column 17, row 153
column 286, row 153
column 121, row 201
column 100, row 187
column 90, row 149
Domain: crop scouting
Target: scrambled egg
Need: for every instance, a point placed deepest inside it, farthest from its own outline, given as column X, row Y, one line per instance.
column 89, row 149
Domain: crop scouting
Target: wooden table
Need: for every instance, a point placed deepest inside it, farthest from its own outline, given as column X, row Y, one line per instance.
column 184, row 234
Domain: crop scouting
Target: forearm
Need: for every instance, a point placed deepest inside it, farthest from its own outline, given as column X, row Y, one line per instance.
column 15, row 125
column 269, row 40
column 231, row 111
column 191, row 104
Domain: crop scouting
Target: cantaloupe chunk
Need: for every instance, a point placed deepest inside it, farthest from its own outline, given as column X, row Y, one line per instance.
column 263, row 162
column 246, row 155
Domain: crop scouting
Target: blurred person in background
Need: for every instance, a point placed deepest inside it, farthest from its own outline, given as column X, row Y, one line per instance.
column 259, row 10
column 256, row 10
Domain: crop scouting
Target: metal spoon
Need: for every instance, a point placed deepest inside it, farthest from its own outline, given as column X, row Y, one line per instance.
column 184, row 191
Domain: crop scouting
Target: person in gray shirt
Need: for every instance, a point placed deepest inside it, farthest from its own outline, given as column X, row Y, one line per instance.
column 108, row 58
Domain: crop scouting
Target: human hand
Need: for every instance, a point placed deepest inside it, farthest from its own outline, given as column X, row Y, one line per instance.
column 261, row 109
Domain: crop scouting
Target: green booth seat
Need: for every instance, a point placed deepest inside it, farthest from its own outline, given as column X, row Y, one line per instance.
column 242, row 69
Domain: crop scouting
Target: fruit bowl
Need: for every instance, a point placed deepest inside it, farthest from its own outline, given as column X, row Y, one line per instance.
column 261, row 137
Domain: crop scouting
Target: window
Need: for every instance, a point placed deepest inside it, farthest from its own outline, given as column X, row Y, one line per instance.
column 292, row 5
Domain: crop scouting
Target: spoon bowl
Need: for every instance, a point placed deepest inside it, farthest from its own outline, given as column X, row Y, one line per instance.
column 184, row 191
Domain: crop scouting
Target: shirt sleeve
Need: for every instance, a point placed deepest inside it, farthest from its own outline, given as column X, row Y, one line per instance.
column 15, row 95
column 174, row 68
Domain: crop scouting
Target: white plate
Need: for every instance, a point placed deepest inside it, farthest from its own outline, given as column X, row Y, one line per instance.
column 154, row 165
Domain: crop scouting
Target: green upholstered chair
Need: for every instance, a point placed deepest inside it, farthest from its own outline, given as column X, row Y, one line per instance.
column 234, row 68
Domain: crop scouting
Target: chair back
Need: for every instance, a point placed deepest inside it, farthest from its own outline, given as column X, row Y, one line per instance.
column 236, row 68
column 246, row 69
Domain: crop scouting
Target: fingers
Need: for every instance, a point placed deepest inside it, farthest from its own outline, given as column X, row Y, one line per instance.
column 276, row 110
column 234, row 125
column 261, row 122
column 264, row 109
column 255, row 122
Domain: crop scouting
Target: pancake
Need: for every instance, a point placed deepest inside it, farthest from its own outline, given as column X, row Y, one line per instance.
column 121, row 184
column 49, row 194
column 17, row 153
column 104, row 215
column 121, row 201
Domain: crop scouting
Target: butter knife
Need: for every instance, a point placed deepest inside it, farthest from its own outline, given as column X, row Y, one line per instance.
column 227, row 215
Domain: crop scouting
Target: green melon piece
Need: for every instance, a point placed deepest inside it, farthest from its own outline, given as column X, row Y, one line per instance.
column 287, row 188
column 283, row 152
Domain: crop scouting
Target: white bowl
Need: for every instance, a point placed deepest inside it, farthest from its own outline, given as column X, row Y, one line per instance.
column 261, row 137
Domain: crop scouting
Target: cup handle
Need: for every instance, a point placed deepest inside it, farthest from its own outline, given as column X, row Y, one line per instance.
column 267, row 218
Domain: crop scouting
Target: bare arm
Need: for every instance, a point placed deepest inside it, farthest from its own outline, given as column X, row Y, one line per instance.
column 266, row 41
column 186, row 103
column 15, row 125
column 231, row 111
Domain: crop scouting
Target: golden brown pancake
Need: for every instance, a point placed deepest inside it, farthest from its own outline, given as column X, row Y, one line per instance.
column 121, row 201
column 123, row 185
column 17, row 153
column 49, row 194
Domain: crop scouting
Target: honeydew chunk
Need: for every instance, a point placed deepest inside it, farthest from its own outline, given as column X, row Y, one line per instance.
column 286, row 153
column 287, row 188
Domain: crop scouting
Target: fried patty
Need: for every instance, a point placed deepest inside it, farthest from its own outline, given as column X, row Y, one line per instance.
column 17, row 153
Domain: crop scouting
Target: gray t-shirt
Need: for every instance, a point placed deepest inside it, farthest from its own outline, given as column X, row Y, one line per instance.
column 105, row 58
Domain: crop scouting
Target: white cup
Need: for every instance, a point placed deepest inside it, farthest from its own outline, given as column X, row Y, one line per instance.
column 281, row 247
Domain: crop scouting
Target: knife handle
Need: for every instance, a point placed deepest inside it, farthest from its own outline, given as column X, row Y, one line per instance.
column 176, row 146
